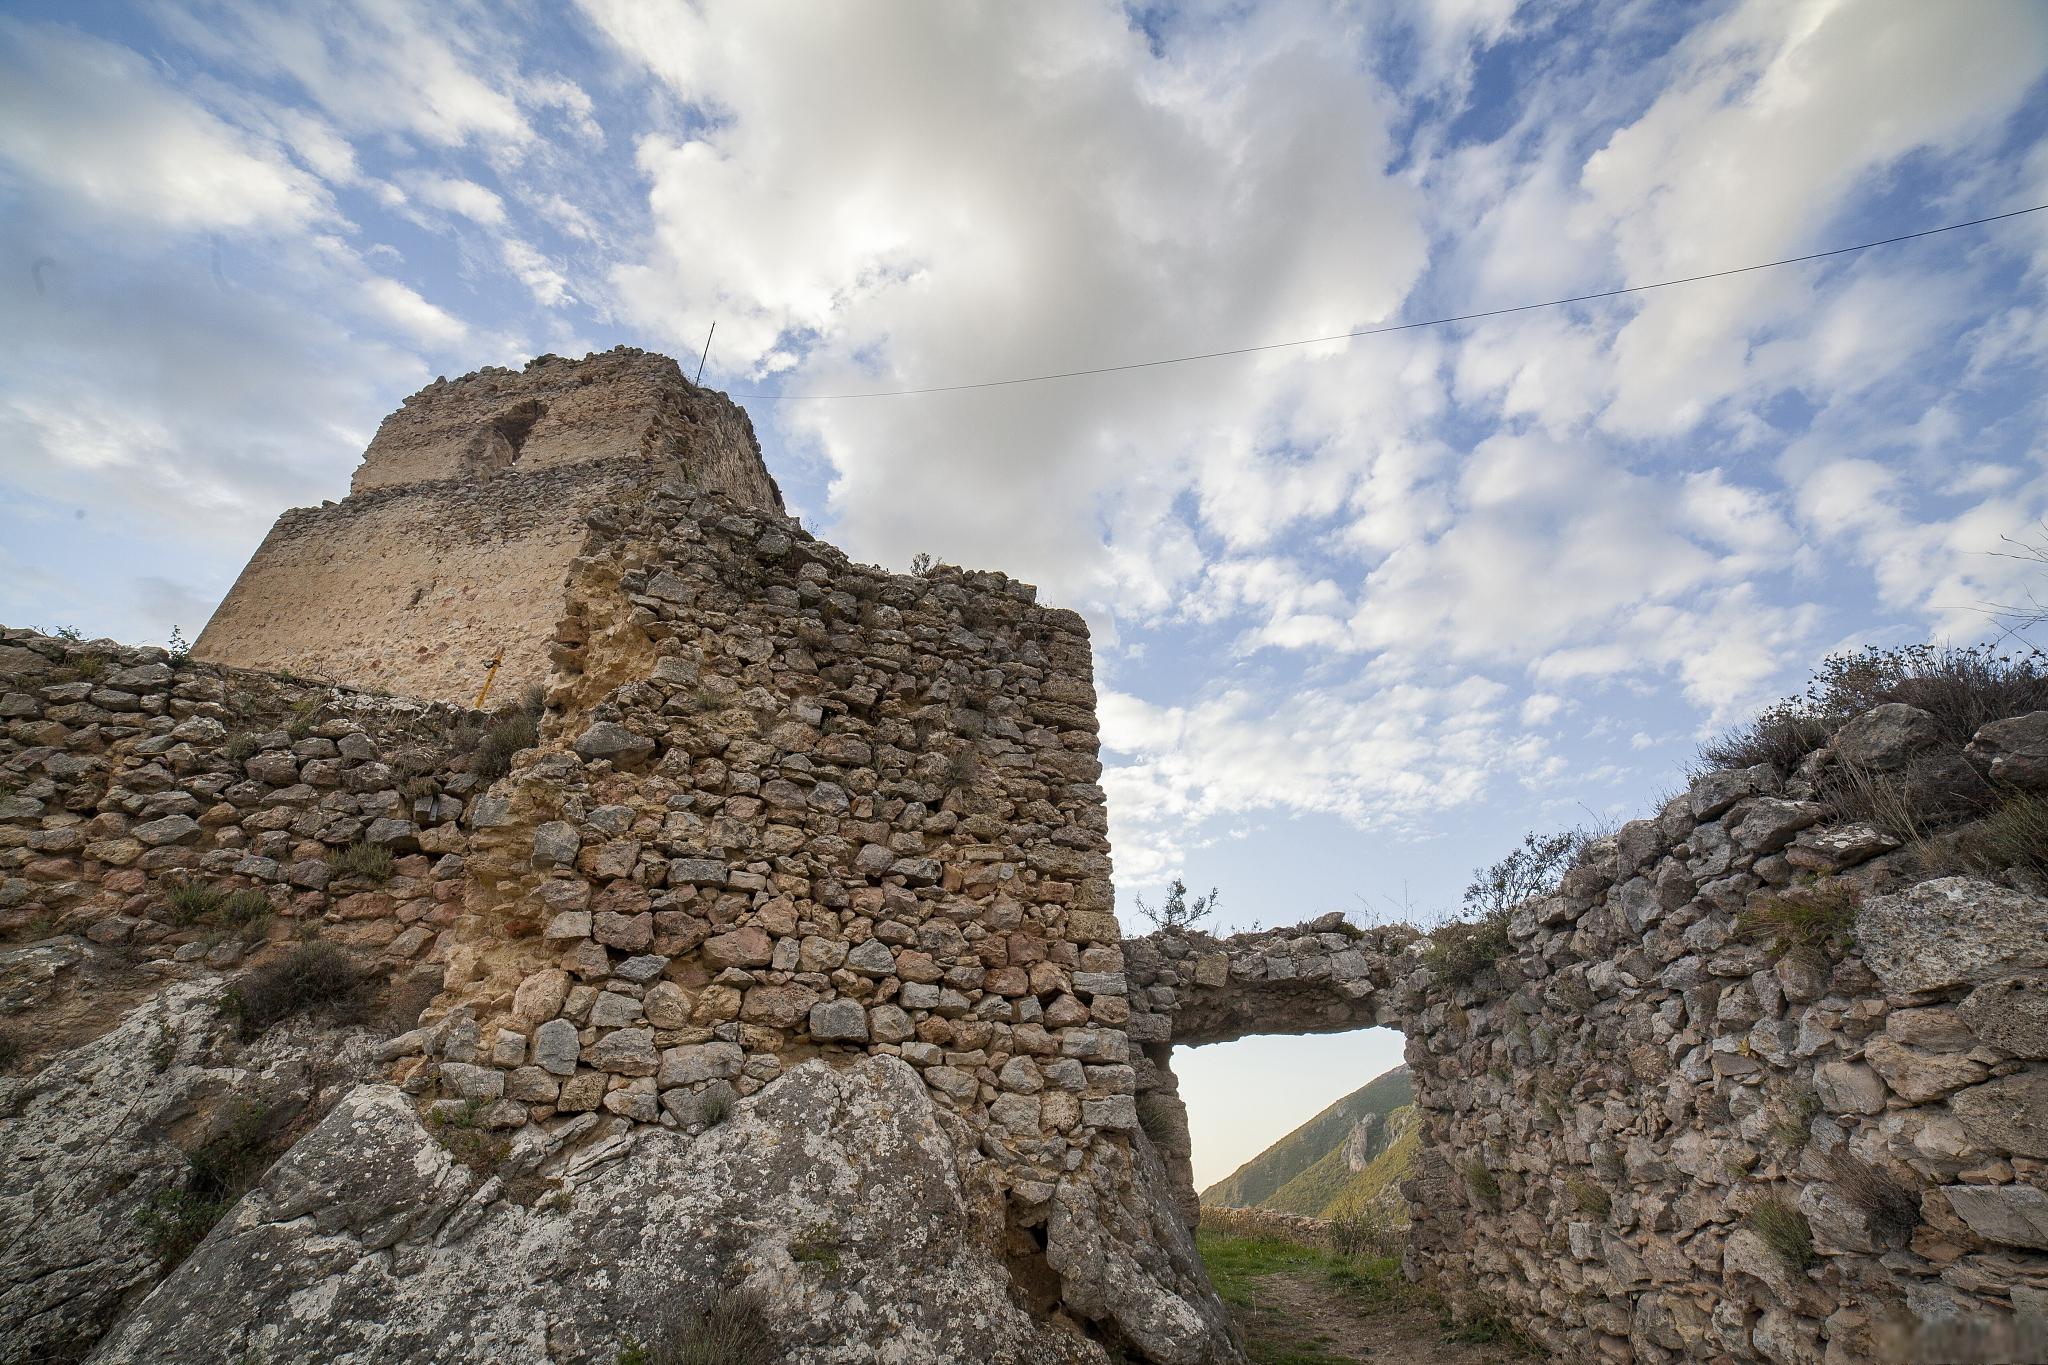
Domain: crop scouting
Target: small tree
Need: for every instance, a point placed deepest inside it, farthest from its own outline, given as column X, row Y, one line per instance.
column 921, row 564
column 1175, row 912
column 1533, row 869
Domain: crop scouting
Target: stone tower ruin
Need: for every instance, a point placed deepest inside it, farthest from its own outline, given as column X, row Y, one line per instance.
column 452, row 547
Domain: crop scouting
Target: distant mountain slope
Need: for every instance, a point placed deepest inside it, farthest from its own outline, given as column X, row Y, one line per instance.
column 1376, row 1185
column 1304, row 1171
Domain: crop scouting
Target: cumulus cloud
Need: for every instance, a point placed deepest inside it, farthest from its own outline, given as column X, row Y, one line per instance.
column 919, row 196
column 90, row 123
column 1381, row 759
column 404, row 308
column 453, row 194
column 442, row 74
column 1785, row 111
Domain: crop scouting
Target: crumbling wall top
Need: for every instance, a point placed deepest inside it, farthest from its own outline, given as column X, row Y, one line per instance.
column 619, row 404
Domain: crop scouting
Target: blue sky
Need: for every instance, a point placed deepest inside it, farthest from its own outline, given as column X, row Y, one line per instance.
column 1364, row 611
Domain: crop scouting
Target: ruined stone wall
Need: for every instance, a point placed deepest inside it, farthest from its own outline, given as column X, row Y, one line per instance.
column 830, row 810
column 618, row 404
column 787, row 807
column 1188, row 988
column 469, row 505
column 783, row 808
column 415, row 591
column 1660, row 1129
column 1758, row 1083
column 125, row 776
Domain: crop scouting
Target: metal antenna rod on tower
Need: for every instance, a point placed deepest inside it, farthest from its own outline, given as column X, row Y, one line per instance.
column 707, row 353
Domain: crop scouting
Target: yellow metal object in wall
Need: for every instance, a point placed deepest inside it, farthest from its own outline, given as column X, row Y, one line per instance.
column 489, row 678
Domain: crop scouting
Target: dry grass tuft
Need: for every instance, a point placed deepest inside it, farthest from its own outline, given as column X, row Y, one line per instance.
column 312, row 976
column 1822, row 916
column 724, row 1327
column 1785, row 1231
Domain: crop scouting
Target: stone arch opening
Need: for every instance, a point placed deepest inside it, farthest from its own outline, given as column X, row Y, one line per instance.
column 1188, row 989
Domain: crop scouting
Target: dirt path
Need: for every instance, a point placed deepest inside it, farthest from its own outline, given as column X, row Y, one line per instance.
column 1303, row 1319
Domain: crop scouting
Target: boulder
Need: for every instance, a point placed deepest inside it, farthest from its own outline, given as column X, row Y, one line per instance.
column 100, row 1134
column 555, row 844
column 2015, row 751
column 408, row 1257
column 748, row 947
column 1952, row 931
column 2011, row 1215
column 2011, row 1013
column 609, row 739
column 1917, row 1076
column 1887, row 738
column 839, row 1021
column 2009, row 1114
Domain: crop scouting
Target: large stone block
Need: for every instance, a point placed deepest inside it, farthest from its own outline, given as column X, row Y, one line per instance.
column 1950, row 932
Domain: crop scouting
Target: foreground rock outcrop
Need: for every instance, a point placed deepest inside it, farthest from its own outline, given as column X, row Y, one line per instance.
column 100, row 1140
column 838, row 1195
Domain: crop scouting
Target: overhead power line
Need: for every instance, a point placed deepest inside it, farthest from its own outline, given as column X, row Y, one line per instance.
column 1393, row 327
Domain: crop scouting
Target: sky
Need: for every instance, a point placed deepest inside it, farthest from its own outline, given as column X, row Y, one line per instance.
column 1364, row 611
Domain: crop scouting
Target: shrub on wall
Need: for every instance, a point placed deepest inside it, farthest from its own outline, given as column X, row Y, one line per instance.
column 312, row 976
column 1963, row 689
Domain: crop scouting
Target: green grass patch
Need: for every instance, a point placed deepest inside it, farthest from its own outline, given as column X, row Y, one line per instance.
column 245, row 912
column 1590, row 1198
column 1235, row 1263
column 816, row 1245
column 177, row 1219
column 191, row 902
column 1482, row 1184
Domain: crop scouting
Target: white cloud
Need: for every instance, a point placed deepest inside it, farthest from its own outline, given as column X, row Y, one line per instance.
column 437, row 73
column 453, row 194
column 405, row 309
column 934, row 195
column 1379, row 759
column 1779, row 113
column 549, row 286
column 91, row 122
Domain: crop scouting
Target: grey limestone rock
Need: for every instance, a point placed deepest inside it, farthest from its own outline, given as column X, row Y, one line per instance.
column 1950, row 932
column 2013, row 1215
column 609, row 739
column 89, row 1141
column 1886, row 738
column 368, row 1241
column 2014, row 751
column 839, row 1021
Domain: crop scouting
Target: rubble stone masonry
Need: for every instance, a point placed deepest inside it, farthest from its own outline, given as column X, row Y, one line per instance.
column 785, row 809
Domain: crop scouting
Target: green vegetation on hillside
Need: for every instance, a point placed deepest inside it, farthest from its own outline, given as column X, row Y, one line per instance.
column 1379, row 1183
column 1318, row 1146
